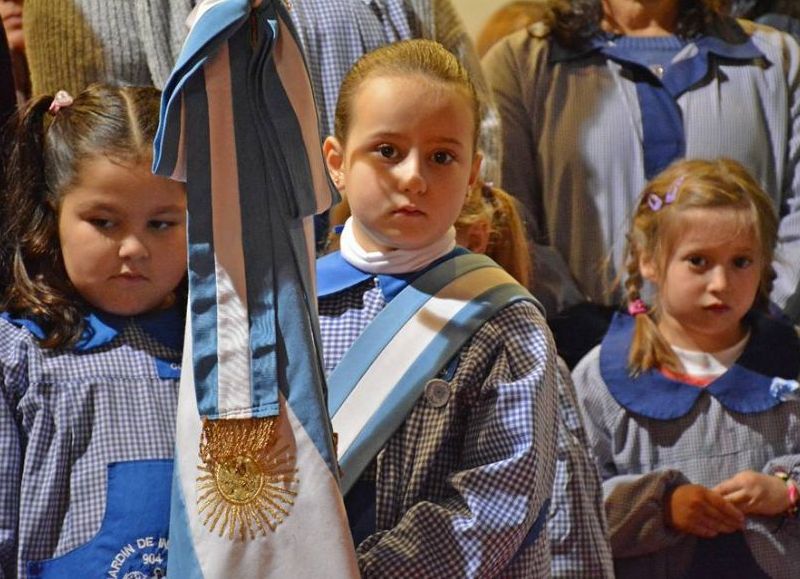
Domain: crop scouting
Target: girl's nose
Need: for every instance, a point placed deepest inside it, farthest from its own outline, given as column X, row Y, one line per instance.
column 132, row 247
column 719, row 279
column 411, row 178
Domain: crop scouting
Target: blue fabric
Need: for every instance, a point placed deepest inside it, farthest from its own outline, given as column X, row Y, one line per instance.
column 335, row 275
column 662, row 123
column 132, row 540
column 166, row 326
column 770, row 352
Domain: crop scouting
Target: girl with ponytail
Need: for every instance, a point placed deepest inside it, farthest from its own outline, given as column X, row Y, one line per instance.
column 691, row 400
column 93, row 262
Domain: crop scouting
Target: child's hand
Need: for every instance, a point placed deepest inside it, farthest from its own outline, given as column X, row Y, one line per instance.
column 696, row 510
column 755, row 493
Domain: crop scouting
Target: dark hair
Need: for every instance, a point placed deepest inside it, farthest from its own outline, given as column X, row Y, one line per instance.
column 577, row 21
column 753, row 9
column 44, row 160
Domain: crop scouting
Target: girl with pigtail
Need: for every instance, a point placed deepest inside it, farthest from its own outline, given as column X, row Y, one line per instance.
column 94, row 265
column 691, row 400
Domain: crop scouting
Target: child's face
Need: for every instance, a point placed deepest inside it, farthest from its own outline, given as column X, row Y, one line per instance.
column 408, row 160
column 123, row 236
column 710, row 280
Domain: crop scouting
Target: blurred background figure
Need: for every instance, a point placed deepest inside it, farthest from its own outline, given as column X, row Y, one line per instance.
column 73, row 43
column 507, row 19
column 11, row 15
column 781, row 14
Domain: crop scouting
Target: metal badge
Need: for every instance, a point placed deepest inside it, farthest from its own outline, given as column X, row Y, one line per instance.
column 437, row 392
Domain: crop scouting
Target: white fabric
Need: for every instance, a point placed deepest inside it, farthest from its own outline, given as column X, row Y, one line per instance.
column 710, row 364
column 395, row 261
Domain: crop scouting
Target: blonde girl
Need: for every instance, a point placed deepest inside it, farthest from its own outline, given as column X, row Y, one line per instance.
column 688, row 398
column 462, row 483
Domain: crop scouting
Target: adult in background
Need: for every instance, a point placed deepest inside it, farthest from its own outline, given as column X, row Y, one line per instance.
column 11, row 15
column 781, row 14
column 72, row 43
column 616, row 91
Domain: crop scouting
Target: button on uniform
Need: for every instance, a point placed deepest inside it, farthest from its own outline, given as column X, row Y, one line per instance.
column 437, row 392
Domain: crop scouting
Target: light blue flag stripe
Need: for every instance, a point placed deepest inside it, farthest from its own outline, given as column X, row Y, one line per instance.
column 373, row 339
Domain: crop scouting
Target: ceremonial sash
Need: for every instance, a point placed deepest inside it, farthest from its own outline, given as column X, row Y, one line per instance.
column 379, row 380
column 255, row 491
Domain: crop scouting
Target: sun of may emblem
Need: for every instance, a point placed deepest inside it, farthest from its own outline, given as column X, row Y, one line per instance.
column 246, row 485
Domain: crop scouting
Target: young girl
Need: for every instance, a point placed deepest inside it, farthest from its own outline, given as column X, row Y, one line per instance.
column 455, row 474
column 90, row 339
column 687, row 399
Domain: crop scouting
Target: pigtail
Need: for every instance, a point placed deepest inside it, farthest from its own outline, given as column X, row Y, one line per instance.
column 508, row 240
column 649, row 349
column 36, row 282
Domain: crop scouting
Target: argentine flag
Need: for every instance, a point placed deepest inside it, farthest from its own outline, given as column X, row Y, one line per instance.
column 255, row 490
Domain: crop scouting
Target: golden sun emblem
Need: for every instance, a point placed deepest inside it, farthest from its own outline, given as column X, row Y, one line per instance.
column 245, row 486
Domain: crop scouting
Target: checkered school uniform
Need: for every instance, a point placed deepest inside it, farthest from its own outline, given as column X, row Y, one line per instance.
column 462, row 487
column 65, row 415
column 652, row 433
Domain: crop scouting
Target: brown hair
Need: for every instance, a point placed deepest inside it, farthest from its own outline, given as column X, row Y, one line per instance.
column 510, row 18
column 719, row 184
column 508, row 243
column 577, row 21
column 44, row 161
column 409, row 57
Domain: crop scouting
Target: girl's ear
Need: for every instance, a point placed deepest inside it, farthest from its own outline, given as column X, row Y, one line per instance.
column 648, row 268
column 475, row 169
column 333, row 152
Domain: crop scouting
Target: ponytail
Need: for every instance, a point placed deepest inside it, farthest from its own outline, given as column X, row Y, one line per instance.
column 649, row 350
column 34, row 277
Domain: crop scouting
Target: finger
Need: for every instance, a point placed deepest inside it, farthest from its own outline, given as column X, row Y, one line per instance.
column 727, row 487
column 738, row 498
column 724, row 514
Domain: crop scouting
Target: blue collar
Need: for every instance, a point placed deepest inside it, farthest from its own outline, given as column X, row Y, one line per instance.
column 166, row 326
column 335, row 275
column 772, row 352
column 725, row 38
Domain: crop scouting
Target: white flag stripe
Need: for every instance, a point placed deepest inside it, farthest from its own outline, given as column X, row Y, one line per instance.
column 233, row 327
column 301, row 97
column 414, row 337
column 296, row 544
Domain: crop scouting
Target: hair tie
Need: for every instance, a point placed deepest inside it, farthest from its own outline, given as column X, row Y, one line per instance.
column 637, row 307
column 61, row 99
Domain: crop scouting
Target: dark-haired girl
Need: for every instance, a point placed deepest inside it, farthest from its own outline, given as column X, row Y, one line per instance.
column 95, row 257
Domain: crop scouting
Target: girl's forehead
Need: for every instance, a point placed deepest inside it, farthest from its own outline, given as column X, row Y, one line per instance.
column 715, row 226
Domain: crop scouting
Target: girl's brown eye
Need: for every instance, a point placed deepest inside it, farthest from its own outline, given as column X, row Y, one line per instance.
column 386, row 151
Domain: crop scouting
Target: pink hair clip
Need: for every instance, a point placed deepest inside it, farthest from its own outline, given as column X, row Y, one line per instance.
column 62, row 99
column 637, row 307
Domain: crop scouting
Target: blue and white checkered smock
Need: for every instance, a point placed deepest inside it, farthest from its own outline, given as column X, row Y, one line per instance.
column 650, row 434
column 65, row 415
column 460, row 484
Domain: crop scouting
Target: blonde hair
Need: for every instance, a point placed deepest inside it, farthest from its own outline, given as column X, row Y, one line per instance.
column 510, row 18
column 508, row 243
column 695, row 184
column 408, row 57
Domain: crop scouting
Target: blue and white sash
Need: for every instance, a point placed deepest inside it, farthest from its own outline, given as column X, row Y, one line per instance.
column 379, row 380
